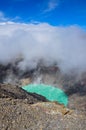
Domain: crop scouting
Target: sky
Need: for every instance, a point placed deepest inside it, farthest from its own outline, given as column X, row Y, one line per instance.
column 54, row 12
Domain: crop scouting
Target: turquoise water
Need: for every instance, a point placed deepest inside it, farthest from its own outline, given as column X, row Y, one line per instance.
column 50, row 92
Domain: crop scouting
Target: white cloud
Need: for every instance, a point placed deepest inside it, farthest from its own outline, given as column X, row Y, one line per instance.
column 51, row 5
column 64, row 45
column 5, row 19
column 2, row 17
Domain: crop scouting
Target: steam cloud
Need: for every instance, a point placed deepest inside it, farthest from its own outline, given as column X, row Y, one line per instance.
column 65, row 46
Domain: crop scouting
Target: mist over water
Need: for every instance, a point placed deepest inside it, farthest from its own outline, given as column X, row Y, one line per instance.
column 49, row 45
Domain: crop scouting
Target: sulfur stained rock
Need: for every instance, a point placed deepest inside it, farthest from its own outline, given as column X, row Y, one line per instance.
column 52, row 108
column 25, row 81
